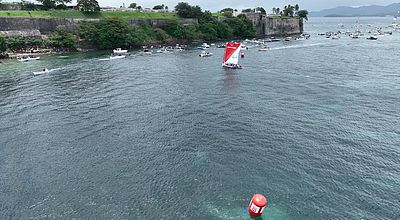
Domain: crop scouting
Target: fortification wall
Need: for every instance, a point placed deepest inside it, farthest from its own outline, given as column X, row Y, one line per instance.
column 46, row 26
column 283, row 26
column 275, row 26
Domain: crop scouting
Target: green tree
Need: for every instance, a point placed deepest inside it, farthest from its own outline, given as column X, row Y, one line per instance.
column 261, row 10
column 227, row 10
column 247, row 10
column 184, row 10
column 132, row 5
column 62, row 39
column 107, row 34
column 296, row 8
column 196, row 12
column 158, row 7
column 88, row 5
column 303, row 14
column 3, row 46
column 241, row 26
column 228, row 14
column 48, row 4
column 51, row 4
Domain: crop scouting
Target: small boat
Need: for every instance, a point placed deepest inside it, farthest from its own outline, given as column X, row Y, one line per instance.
column 205, row 54
column 231, row 56
column 264, row 48
column 120, row 51
column 117, row 57
column 335, row 37
column 288, row 38
column 162, row 50
column 354, row 35
column 372, row 38
column 41, row 72
column 63, row 57
column 204, row 46
column 29, row 58
column 147, row 51
column 120, row 56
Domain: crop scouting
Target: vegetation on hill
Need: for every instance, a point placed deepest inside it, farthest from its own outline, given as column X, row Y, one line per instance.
column 115, row 32
column 80, row 14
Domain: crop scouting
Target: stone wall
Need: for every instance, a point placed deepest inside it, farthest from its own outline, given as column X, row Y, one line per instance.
column 10, row 7
column 273, row 26
column 46, row 26
column 283, row 26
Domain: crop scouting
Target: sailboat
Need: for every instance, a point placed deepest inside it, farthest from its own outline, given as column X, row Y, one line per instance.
column 231, row 56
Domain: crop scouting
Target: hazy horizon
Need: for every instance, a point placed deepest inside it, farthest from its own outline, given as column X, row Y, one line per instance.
column 215, row 5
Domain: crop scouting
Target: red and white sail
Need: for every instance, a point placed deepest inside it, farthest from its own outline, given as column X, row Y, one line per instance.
column 232, row 52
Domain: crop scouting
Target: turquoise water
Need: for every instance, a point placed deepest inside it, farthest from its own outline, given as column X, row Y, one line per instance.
column 313, row 125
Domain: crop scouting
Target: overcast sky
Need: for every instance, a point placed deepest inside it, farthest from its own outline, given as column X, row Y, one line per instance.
column 215, row 5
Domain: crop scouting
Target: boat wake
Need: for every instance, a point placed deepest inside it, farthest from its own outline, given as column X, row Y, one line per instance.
column 297, row 46
column 45, row 71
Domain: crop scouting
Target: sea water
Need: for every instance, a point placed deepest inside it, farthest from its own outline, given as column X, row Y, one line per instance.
column 313, row 125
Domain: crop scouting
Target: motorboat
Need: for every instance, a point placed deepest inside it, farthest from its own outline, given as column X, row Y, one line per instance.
column 354, row 35
column 120, row 56
column 162, row 50
column 147, row 51
column 335, row 37
column 264, row 48
column 28, row 58
column 120, row 51
column 204, row 46
column 372, row 38
column 205, row 54
column 288, row 38
column 41, row 72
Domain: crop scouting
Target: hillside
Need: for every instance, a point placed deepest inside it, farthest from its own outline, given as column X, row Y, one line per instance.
column 371, row 10
column 79, row 14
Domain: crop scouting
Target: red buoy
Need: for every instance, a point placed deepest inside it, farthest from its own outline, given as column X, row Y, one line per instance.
column 257, row 205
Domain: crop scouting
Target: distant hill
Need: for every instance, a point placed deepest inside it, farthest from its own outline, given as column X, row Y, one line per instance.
column 362, row 11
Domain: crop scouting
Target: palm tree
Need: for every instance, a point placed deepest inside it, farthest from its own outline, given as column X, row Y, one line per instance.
column 278, row 11
column 296, row 8
column 273, row 10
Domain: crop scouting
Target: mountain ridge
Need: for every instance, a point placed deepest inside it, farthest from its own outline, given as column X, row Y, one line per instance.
column 361, row 11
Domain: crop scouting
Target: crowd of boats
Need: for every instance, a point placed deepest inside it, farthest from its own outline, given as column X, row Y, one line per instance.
column 371, row 33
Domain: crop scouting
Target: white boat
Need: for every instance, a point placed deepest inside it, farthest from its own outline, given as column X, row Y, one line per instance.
column 120, row 51
column 354, row 35
column 264, row 48
column 120, row 56
column 147, row 51
column 41, row 72
column 117, row 57
column 335, row 37
column 205, row 54
column 231, row 56
column 162, row 50
column 288, row 39
column 26, row 59
column 204, row 46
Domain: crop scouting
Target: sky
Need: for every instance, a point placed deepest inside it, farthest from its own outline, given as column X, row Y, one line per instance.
column 215, row 5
